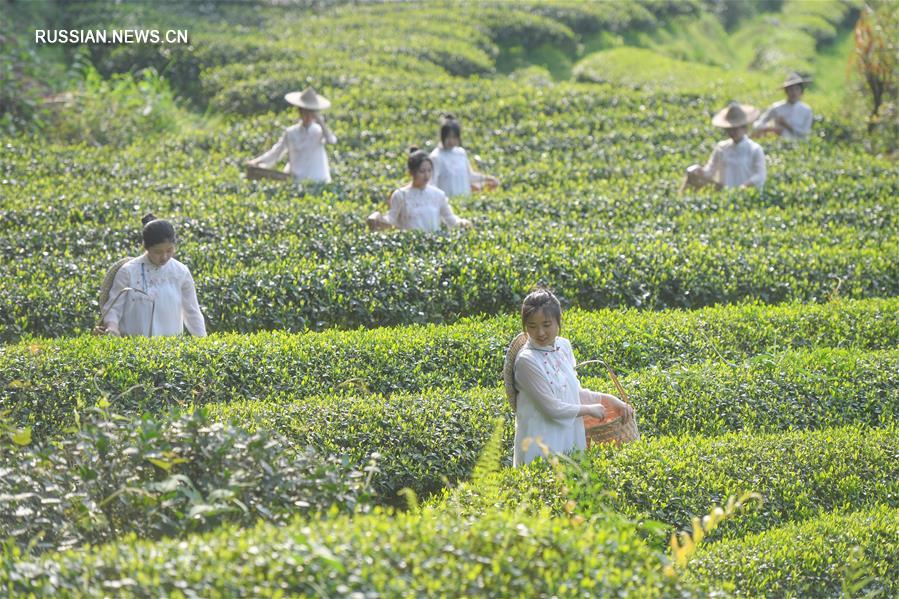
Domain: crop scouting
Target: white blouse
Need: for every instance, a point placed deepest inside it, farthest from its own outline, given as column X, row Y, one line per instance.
column 452, row 171
column 305, row 148
column 421, row 209
column 169, row 300
column 732, row 164
column 798, row 115
column 549, row 400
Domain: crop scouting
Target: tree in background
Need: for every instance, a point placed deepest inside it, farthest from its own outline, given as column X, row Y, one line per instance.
column 876, row 59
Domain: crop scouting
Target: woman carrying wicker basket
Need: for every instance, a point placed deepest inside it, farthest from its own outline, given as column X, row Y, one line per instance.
column 153, row 294
column 304, row 143
column 550, row 404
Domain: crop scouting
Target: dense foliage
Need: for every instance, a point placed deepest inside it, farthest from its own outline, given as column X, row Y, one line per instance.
column 757, row 332
column 155, row 477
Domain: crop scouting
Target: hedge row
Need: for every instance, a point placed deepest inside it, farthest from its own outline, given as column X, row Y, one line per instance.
column 427, row 440
column 42, row 381
column 602, row 232
column 823, row 557
column 401, row 555
column 158, row 477
column 497, row 555
column 800, row 475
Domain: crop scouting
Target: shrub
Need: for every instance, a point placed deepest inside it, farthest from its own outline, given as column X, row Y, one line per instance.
column 170, row 476
column 412, row 554
column 812, row 558
column 43, row 382
column 800, row 475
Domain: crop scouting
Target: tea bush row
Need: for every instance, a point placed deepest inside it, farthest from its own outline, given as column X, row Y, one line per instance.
column 430, row 438
column 822, row 557
column 800, row 475
column 410, row 554
column 437, row 279
column 341, row 45
column 169, row 475
column 42, row 381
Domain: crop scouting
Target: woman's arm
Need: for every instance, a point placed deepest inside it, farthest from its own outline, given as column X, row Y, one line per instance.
column 396, row 203
column 273, row 156
column 711, row 167
column 530, row 380
column 327, row 136
column 190, row 308
column 804, row 127
column 758, row 170
column 448, row 216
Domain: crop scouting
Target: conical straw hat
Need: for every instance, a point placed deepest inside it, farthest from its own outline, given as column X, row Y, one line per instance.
column 109, row 279
column 735, row 115
column 308, row 99
column 509, row 367
column 795, row 78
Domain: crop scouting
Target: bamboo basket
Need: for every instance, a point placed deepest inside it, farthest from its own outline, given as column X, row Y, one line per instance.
column 257, row 172
column 613, row 428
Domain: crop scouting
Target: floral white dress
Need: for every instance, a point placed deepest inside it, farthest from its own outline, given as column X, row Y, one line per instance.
column 549, row 400
column 452, row 171
column 164, row 303
column 420, row 209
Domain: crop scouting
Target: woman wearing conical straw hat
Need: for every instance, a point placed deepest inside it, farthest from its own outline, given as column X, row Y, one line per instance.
column 790, row 118
column 735, row 162
column 304, row 143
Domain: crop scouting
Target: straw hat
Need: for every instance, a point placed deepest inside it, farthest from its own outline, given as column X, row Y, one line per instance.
column 509, row 367
column 109, row 278
column 735, row 115
column 795, row 78
column 308, row 99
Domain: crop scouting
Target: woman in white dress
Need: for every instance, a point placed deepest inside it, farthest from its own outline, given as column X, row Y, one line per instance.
column 304, row 143
column 790, row 118
column 551, row 403
column 417, row 206
column 452, row 170
column 154, row 294
column 737, row 161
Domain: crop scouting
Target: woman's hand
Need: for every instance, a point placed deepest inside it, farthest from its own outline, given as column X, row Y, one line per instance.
column 626, row 411
column 596, row 410
column 465, row 223
column 113, row 332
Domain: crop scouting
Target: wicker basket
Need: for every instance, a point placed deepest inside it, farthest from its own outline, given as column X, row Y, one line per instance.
column 613, row 428
column 257, row 172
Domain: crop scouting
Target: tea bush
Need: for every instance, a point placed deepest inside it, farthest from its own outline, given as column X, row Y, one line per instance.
column 800, row 475
column 270, row 257
column 163, row 476
column 411, row 554
column 43, row 381
column 811, row 558
column 426, row 439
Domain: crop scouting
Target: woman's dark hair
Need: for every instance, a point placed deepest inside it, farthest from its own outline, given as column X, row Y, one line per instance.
column 450, row 126
column 541, row 299
column 416, row 159
column 157, row 231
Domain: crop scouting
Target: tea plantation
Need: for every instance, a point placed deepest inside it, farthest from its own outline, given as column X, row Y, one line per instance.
column 343, row 430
